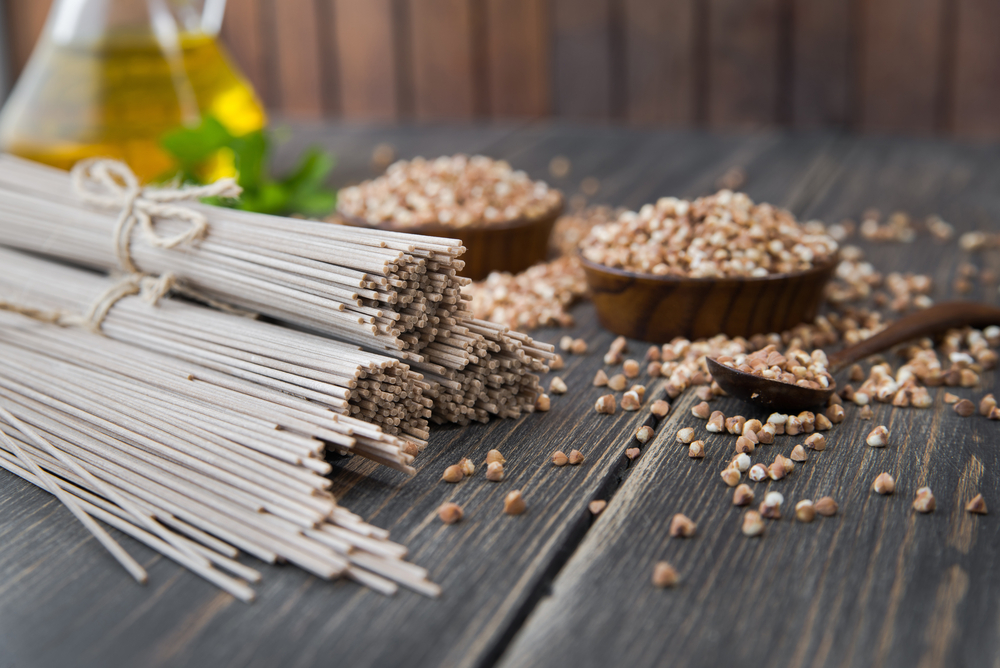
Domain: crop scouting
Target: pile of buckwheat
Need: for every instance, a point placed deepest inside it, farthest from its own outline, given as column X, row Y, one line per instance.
column 725, row 234
column 456, row 191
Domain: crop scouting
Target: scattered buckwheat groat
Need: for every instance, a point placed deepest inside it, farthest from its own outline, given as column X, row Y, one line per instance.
column 731, row 476
column 575, row 457
column 600, row 378
column 741, row 461
column 513, row 503
column 685, row 435
column 770, row 507
column 799, row 454
column 826, row 506
column 701, row 410
column 696, row 450
column 753, row 523
column 468, row 468
column 878, row 437
column 643, row 434
column 606, row 404
column 664, row 575
column 805, row 511
column 617, row 382
column 597, row 506
column 964, row 407
column 495, row 456
column 579, row 347
column 630, row 368
column 494, row 472
column 632, row 453
column 660, row 408
column 866, row 412
column 977, row 505
column 453, row 473
column 557, row 386
column 716, row 422
column 543, row 403
column 987, row 404
column 742, row 495
column 559, row 458
column 450, row 512
column 950, row 398
column 681, row 526
column 631, row 401
column 924, row 501
column 758, row 473
column 815, row 442
column 884, row 484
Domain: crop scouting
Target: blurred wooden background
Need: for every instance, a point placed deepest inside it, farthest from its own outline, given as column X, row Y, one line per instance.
column 898, row 66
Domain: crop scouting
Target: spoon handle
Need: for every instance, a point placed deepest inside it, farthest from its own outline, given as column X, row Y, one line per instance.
column 933, row 320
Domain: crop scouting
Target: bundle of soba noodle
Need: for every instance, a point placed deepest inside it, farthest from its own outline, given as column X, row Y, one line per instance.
column 362, row 402
column 392, row 293
column 194, row 462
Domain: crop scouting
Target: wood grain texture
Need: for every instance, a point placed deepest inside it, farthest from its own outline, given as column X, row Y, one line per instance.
column 823, row 60
column 875, row 585
column 296, row 52
column 977, row 70
column 366, row 58
column 744, row 39
column 582, row 60
column 518, row 58
column 660, row 40
column 901, row 55
column 443, row 67
column 243, row 36
column 25, row 20
column 857, row 589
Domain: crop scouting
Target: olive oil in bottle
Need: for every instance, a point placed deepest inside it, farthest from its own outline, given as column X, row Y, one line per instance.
column 117, row 94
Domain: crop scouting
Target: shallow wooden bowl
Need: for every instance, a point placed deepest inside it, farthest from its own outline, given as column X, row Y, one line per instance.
column 659, row 308
column 510, row 246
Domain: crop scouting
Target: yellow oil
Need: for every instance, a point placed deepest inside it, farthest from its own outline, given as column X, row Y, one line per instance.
column 118, row 97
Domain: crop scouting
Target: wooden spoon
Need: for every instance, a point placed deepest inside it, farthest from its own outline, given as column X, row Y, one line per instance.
column 773, row 394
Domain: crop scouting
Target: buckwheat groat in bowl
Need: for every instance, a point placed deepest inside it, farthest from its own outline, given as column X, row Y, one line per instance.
column 718, row 264
column 503, row 218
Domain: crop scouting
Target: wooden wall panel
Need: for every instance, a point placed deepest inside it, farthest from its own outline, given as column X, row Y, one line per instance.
column 442, row 59
column 243, row 36
column 582, row 59
column 660, row 58
column 25, row 20
column 900, row 57
column 366, row 56
column 518, row 58
column 976, row 110
column 744, row 41
column 297, row 56
column 822, row 63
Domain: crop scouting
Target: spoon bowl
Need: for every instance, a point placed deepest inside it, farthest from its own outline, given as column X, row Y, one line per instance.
column 785, row 397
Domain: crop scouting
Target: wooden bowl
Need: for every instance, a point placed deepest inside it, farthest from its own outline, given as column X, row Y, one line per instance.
column 659, row 308
column 510, row 246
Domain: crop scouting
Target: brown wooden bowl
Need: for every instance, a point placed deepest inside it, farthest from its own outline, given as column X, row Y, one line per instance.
column 510, row 246
column 659, row 308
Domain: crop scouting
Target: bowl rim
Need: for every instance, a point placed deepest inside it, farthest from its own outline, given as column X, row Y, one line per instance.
column 831, row 263
column 436, row 226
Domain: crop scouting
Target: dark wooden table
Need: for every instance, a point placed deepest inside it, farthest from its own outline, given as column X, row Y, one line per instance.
column 876, row 585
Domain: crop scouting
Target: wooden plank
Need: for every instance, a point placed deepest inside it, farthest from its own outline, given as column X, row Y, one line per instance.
column 823, row 57
column 518, row 58
column 243, row 36
column 977, row 70
column 855, row 589
column 366, row 56
column 660, row 41
column 744, row 40
column 297, row 55
column 443, row 70
column 25, row 20
column 582, row 68
column 901, row 55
